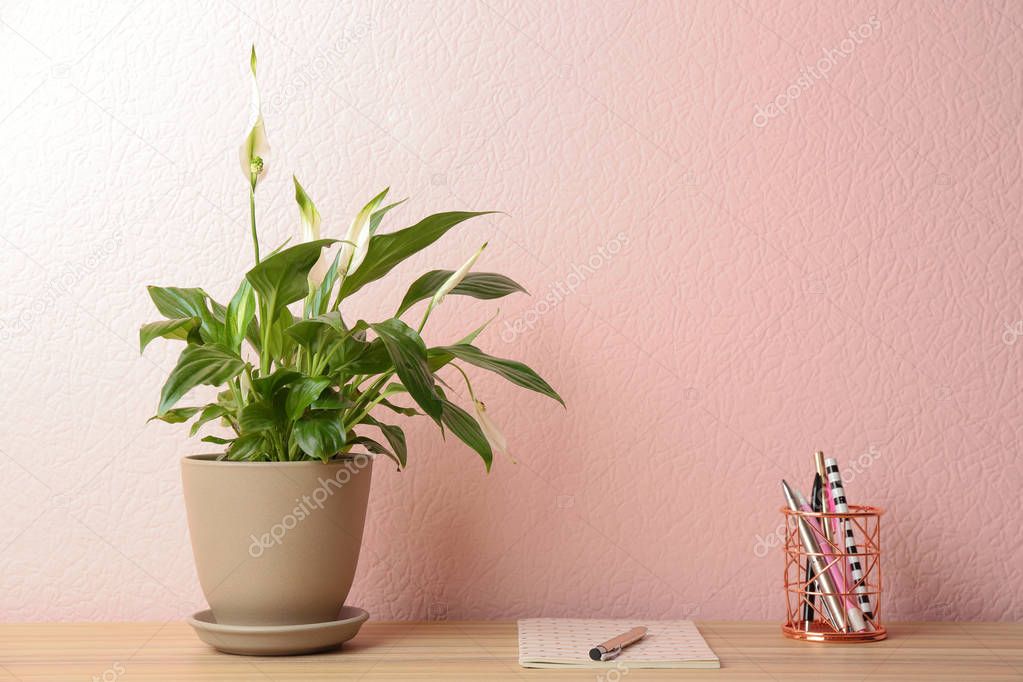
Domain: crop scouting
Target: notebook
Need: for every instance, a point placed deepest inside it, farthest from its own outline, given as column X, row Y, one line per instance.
column 566, row 642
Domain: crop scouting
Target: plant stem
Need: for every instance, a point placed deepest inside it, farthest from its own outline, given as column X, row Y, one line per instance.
column 365, row 411
column 264, row 355
column 341, row 286
column 252, row 221
column 236, row 393
column 374, row 388
column 319, row 363
column 264, row 351
column 467, row 384
column 426, row 316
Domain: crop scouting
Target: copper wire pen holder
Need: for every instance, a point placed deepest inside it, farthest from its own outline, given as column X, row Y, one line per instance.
column 865, row 523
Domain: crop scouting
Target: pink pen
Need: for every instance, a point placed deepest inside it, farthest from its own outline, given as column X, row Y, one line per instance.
column 829, row 504
column 855, row 615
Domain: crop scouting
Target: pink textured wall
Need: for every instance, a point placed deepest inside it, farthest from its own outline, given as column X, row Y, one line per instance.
column 751, row 229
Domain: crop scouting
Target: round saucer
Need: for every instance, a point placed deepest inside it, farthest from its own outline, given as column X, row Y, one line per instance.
column 278, row 640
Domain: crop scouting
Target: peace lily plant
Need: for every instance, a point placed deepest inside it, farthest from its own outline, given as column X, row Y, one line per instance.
column 310, row 384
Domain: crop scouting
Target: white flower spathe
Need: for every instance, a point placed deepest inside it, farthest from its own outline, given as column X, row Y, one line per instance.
column 359, row 234
column 311, row 232
column 493, row 435
column 253, row 153
column 455, row 279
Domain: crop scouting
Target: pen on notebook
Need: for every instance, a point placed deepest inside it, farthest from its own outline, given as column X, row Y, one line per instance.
column 842, row 506
column 820, row 567
column 811, row 586
column 614, row 646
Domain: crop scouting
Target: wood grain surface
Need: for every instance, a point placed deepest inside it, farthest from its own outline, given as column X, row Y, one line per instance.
column 487, row 651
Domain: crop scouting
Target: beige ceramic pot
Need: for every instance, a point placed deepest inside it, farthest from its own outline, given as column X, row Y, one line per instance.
column 276, row 543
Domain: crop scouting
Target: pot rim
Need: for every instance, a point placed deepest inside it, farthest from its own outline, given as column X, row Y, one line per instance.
column 210, row 460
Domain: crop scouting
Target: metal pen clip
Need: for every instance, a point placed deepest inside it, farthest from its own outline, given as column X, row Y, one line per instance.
column 612, row 647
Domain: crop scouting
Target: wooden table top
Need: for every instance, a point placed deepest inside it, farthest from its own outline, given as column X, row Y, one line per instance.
column 488, row 651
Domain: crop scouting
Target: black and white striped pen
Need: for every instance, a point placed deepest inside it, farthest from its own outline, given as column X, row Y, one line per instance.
column 837, row 491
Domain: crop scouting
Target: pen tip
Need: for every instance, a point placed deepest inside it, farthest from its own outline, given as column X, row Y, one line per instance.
column 790, row 497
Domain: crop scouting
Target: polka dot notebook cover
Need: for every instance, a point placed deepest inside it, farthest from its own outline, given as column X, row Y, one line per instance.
column 566, row 642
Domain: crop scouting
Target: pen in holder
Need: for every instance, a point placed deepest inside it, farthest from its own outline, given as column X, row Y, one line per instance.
column 852, row 560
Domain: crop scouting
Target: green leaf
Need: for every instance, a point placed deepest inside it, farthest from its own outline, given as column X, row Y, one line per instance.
column 302, row 393
column 482, row 285
column 245, row 447
column 378, row 215
column 258, row 416
column 178, row 328
column 463, row 425
column 320, row 435
column 387, row 250
column 395, row 437
column 240, row 312
column 436, row 359
column 179, row 302
column 361, row 357
column 334, row 321
column 408, row 353
column 515, row 372
column 209, row 413
column 219, row 311
column 488, row 285
column 407, row 411
column 309, row 334
column 327, row 335
column 282, row 345
column 282, row 278
column 332, row 401
column 393, row 388
column 471, row 336
column 318, row 331
column 226, row 399
column 177, row 415
column 376, row 448
column 217, row 440
column 269, row 385
column 197, row 365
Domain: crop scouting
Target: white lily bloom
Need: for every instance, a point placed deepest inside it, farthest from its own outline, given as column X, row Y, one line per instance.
column 493, row 435
column 255, row 148
column 353, row 253
column 310, row 233
column 455, row 279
